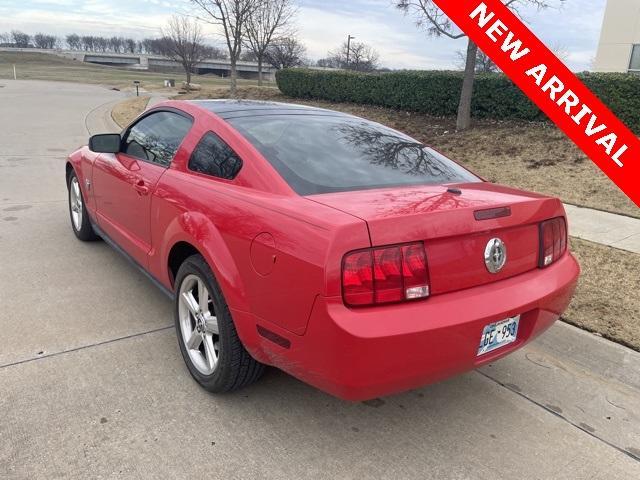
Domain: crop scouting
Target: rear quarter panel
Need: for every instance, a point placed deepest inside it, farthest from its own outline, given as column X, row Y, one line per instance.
column 225, row 221
column 271, row 250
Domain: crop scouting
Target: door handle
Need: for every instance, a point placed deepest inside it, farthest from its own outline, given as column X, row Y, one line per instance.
column 141, row 188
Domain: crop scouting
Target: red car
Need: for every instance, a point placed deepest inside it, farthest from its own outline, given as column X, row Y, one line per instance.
column 338, row 250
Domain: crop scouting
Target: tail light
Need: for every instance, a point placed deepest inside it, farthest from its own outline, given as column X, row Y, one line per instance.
column 384, row 275
column 553, row 241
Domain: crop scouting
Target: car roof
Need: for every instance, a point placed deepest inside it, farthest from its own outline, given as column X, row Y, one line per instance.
column 227, row 109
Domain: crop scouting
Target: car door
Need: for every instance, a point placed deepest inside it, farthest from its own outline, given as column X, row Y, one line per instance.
column 124, row 183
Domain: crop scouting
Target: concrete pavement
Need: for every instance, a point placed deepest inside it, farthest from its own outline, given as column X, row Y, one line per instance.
column 92, row 383
column 617, row 231
column 100, row 120
column 156, row 99
column 128, row 408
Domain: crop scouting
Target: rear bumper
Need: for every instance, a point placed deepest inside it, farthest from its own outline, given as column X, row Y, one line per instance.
column 357, row 354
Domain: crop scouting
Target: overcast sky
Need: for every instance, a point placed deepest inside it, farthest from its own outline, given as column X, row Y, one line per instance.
column 322, row 25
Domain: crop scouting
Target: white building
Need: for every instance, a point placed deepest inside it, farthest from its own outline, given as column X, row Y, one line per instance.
column 619, row 48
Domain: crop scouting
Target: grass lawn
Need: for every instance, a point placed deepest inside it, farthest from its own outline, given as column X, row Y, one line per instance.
column 531, row 156
column 127, row 110
column 606, row 301
column 42, row 66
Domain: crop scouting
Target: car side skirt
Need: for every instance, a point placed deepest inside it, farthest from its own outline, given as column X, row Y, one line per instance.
column 131, row 260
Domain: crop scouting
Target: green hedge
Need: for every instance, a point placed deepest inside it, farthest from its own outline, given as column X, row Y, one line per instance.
column 437, row 92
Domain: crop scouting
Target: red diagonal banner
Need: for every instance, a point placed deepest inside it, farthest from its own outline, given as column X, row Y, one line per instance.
column 552, row 86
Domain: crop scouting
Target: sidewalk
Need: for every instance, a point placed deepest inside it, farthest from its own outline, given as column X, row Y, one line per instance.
column 589, row 382
column 99, row 119
column 156, row 99
column 609, row 229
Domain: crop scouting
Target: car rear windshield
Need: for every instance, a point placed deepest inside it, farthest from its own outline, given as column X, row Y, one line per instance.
column 322, row 154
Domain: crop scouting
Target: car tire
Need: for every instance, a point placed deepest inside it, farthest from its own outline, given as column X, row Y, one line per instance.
column 80, row 221
column 207, row 336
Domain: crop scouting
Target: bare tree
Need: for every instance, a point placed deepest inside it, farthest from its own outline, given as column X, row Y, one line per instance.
column 101, row 44
column 270, row 19
column 20, row 39
column 561, row 52
column 484, row 64
column 363, row 58
column 87, row 42
column 248, row 56
column 130, row 45
column 40, row 40
column 285, row 53
column 232, row 16
column 436, row 23
column 74, row 42
column 328, row 62
column 116, row 44
column 357, row 56
column 184, row 43
column 156, row 46
column 146, row 46
column 215, row 52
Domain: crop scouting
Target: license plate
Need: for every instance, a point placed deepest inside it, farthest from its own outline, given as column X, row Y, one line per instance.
column 498, row 335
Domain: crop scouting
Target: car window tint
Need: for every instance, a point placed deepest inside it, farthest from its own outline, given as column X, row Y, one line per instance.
column 156, row 138
column 214, row 157
column 321, row 154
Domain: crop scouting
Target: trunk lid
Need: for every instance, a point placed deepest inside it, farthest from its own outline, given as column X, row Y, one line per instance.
column 454, row 239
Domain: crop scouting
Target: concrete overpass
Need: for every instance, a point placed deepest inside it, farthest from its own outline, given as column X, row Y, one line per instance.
column 158, row 63
column 248, row 70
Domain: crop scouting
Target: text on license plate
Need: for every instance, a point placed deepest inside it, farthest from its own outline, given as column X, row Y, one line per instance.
column 497, row 335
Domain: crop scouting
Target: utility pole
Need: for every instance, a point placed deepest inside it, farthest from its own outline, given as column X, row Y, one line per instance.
column 349, row 38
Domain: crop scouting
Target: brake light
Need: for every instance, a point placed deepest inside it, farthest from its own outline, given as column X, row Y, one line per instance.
column 384, row 275
column 553, row 241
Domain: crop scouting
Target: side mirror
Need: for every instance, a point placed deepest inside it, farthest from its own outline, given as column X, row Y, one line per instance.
column 105, row 143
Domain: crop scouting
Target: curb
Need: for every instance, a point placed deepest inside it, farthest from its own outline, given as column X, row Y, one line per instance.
column 594, row 354
column 99, row 119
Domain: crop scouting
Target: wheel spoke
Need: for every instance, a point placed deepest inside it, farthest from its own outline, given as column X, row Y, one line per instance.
column 210, row 352
column 190, row 303
column 194, row 341
column 76, row 191
column 198, row 324
column 203, row 297
column 211, row 324
column 75, row 204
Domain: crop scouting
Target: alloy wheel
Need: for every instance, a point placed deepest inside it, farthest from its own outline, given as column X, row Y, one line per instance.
column 75, row 203
column 199, row 325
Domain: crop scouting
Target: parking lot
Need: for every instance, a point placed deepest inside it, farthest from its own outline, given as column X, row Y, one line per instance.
column 92, row 383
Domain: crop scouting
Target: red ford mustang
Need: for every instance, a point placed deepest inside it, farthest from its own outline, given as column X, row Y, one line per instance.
column 343, row 252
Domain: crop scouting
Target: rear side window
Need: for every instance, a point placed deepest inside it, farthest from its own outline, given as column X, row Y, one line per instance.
column 322, row 154
column 156, row 137
column 214, row 157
